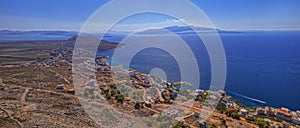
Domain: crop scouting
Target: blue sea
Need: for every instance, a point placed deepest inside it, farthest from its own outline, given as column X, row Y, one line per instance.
column 263, row 67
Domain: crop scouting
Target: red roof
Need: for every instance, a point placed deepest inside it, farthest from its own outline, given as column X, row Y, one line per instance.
column 285, row 123
column 283, row 112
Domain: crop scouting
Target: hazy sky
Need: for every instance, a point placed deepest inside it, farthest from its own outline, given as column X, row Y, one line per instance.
column 225, row 14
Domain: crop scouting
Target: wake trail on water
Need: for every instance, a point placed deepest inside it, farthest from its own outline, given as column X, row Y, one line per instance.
column 246, row 97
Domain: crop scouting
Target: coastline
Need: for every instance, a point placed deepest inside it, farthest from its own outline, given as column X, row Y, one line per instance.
column 245, row 100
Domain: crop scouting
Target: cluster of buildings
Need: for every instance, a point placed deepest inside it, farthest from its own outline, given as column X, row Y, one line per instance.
column 283, row 114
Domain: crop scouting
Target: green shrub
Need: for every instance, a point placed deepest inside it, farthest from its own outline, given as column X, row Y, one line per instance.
column 137, row 105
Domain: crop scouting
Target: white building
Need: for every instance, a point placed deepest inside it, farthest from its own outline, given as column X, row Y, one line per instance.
column 296, row 120
column 243, row 112
column 60, row 87
column 269, row 111
column 199, row 91
column 283, row 114
column 260, row 111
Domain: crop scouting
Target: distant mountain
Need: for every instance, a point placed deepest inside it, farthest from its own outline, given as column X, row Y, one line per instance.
column 185, row 30
column 9, row 32
column 36, row 35
column 64, row 35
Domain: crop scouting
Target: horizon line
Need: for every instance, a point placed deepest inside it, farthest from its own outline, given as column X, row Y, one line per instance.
column 64, row 30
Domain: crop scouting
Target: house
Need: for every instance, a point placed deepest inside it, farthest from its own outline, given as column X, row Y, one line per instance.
column 199, row 92
column 71, row 91
column 222, row 92
column 298, row 112
column 60, row 87
column 243, row 112
column 230, row 104
column 296, row 120
column 260, row 111
column 148, row 104
column 285, row 109
column 285, row 124
column 269, row 112
column 283, row 114
column 169, row 85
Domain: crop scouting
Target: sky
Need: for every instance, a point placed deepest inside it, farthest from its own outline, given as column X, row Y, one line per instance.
column 71, row 15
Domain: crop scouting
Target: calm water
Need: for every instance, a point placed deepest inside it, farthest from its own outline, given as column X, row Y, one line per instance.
column 261, row 66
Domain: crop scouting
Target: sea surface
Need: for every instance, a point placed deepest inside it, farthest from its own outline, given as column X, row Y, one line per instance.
column 263, row 67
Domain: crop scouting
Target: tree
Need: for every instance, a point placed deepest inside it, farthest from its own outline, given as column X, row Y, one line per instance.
column 120, row 98
column 86, row 92
column 262, row 124
column 223, row 121
column 250, row 119
column 165, row 124
column 105, row 91
column 213, row 126
column 232, row 114
column 113, row 92
column 113, row 86
column 137, row 105
column 235, row 115
column 108, row 96
column 176, row 125
column 93, row 97
column 221, row 107
column 149, row 123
